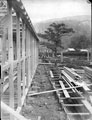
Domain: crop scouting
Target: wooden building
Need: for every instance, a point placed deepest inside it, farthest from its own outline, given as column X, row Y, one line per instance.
column 19, row 50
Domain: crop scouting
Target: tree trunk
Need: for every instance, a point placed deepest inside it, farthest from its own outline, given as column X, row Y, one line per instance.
column 61, row 56
column 55, row 56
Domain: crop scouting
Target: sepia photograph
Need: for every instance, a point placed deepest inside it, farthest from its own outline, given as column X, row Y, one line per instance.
column 45, row 60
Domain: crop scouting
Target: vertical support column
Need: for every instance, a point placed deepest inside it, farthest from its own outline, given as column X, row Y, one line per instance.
column 23, row 56
column 91, row 51
column 31, row 55
column 2, row 42
column 34, row 55
column 19, row 63
column 29, row 71
column 27, row 57
column 3, row 48
column 10, row 36
column 26, row 72
column 88, row 55
column 37, row 53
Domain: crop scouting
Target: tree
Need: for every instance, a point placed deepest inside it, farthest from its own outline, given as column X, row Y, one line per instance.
column 53, row 36
column 80, row 41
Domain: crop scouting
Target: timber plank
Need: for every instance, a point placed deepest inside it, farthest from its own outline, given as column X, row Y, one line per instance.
column 65, row 91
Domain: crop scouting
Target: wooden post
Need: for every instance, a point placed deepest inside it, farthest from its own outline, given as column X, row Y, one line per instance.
column 2, row 72
column 3, row 48
column 37, row 55
column 18, row 57
column 28, row 41
column 23, row 56
column 31, row 55
column 88, row 55
column 26, row 53
column 27, row 57
column 10, row 37
column 91, row 51
column 34, row 55
column 36, row 52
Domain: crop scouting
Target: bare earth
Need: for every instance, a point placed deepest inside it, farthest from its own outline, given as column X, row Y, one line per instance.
column 46, row 105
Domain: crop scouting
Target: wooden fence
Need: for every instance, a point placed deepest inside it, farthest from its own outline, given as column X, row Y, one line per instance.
column 19, row 57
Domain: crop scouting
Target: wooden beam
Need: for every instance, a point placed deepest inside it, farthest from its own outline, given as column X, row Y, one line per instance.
column 74, row 98
column 65, row 91
column 37, row 45
column 78, row 113
column 82, row 84
column 72, row 105
column 45, row 63
column 91, row 52
column 3, row 47
column 68, row 83
column 10, row 38
column 50, row 91
column 31, row 55
column 7, row 77
column 35, row 53
column 51, row 74
column 27, row 77
column 5, row 87
column 67, row 76
column 18, row 57
column 22, row 100
column 23, row 55
column 29, row 71
column 17, row 7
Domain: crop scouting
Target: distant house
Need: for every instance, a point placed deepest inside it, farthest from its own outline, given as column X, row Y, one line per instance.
column 69, row 49
column 83, row 50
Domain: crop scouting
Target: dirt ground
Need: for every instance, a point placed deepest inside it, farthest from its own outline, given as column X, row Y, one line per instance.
column 45, row 105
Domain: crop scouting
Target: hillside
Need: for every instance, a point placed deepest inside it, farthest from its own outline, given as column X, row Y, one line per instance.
column 80, row 24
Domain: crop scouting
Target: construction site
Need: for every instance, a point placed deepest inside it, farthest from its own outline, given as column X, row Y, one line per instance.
column 34, row 84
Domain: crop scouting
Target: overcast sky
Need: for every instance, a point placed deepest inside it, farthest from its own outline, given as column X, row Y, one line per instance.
column 41, row 10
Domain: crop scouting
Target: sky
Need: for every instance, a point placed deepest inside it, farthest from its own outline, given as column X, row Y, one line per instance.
column 41, row 10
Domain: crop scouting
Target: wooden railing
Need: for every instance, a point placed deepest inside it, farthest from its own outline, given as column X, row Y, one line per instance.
column 19, row 55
